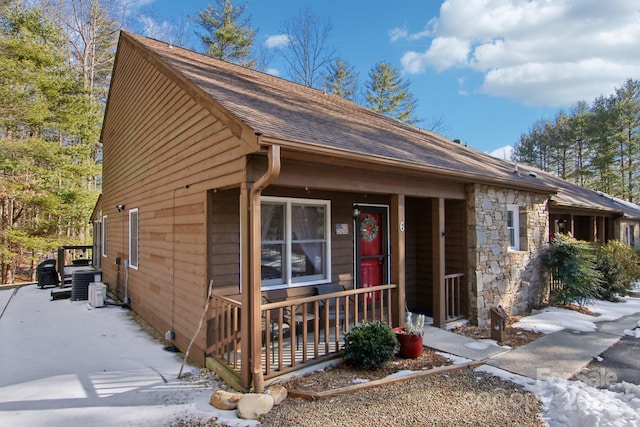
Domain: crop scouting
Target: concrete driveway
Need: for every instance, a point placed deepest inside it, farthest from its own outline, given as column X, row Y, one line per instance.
column 64, row 363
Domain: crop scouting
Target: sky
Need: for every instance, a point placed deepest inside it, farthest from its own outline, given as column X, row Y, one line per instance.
column 489, row 68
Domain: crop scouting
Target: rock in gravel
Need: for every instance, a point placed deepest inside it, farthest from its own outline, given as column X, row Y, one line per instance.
column 225, row 400
column 252, row 405
column 278, row 392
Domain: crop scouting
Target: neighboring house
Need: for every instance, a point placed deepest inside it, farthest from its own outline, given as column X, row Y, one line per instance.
column 590, row 215
column 274, row 193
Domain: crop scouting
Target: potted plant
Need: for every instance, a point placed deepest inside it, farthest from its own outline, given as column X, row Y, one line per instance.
column 410, row 336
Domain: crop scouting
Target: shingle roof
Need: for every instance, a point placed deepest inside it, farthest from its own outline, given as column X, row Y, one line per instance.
column 280, row 109
column 573, row 196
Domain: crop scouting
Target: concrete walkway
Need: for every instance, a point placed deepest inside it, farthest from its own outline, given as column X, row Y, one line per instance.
column 560, row 354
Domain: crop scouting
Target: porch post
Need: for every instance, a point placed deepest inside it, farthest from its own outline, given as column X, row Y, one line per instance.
column 255, row 267
column 437, row 231
column 245, row 285
column 397, row 221
column 600, row 229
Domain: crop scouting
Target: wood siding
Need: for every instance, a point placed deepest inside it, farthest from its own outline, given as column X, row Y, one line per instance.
column 419, row 256
column 224, row 241
column 162, row 152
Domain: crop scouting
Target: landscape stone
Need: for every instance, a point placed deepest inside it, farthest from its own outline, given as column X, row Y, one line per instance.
column 252, row 405
column 225, row 400
column 278, row 393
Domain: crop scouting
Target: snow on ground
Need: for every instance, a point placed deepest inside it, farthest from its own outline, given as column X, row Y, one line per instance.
column 553, row 319
column 574, row 403
column 66, row 364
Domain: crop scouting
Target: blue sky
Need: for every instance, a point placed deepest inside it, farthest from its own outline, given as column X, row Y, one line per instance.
column 489, row 68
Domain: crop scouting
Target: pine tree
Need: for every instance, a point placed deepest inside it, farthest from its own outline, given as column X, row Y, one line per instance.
column 48, row 129
column 626, row 108
column 227, row 37
column 341, row 79
column 388, row 94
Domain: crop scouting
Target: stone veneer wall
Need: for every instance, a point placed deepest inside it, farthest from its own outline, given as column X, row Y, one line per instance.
column 497, row 276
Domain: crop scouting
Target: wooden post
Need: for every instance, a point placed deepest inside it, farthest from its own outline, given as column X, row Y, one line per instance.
column 245, row 284
column 255, row 273
column 438, row 253
column 398, row 258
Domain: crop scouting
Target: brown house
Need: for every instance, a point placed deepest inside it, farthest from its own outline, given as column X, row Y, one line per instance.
column 305, row 213
column 590, row 215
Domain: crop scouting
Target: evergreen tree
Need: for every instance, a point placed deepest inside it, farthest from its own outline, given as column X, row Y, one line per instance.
column 48, row 129
column 597, row 146
column 606, row 177
column 341, row 79
column 388, row 94
column 626, row 108
column 579, row 119
column 227, row 37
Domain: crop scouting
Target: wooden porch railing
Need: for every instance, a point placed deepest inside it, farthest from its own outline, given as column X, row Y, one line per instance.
column 225, row 334
column 453, row 296
column 299, row 331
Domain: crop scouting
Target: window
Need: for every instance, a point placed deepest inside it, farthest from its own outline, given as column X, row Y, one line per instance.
column 513, row 227
column 133, row 238
column 295, row 241
column 629, row 236
column 103, row 236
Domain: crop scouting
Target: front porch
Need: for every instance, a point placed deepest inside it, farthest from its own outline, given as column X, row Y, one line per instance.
column 299, row 332
column 294, row 333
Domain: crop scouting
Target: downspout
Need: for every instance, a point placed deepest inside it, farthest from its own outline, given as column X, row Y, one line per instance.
column 255, row 237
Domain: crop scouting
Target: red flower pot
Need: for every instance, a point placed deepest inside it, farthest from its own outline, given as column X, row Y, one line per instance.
column 410, row 344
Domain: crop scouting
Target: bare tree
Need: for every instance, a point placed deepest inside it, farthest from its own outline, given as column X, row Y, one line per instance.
column 306, row 51
column 92, row 33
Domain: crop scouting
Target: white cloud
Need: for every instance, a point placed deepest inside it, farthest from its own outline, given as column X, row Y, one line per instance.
column 503, row 153
column 396, row 34
column 273, row 71
column 276, row 41
column 445, row 52
column 537, row 52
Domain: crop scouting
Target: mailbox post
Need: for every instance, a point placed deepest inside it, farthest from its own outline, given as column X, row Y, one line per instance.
column 498, row 323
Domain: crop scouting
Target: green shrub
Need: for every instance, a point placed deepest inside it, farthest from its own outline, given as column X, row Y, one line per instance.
column 619, row 265
column 370, row 344
column 573, row 263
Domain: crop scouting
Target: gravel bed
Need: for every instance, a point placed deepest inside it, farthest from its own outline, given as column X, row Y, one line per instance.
column 461, row 397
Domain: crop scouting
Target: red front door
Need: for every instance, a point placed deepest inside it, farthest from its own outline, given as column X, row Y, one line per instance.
column 372, row 253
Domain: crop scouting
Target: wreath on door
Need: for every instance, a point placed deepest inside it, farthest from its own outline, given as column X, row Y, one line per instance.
column 369, row 228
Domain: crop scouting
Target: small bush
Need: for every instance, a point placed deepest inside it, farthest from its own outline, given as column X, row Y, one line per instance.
column 370, row 344
column 619, row 265
column 573, row 263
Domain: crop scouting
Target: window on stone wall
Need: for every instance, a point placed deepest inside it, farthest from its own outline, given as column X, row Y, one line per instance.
column 513, row 227
column 524, row 231
column 629, row 237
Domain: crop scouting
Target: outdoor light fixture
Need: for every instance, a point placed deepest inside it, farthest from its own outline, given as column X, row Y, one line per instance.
column 120, row 208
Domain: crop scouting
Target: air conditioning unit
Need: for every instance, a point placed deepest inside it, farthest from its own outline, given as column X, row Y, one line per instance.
column 97, row 293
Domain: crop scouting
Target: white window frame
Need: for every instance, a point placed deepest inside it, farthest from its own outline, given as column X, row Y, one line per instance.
column 288, row 280
column 630, row 230
column 513, row 230
column 103, row 236
column 133, row 239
